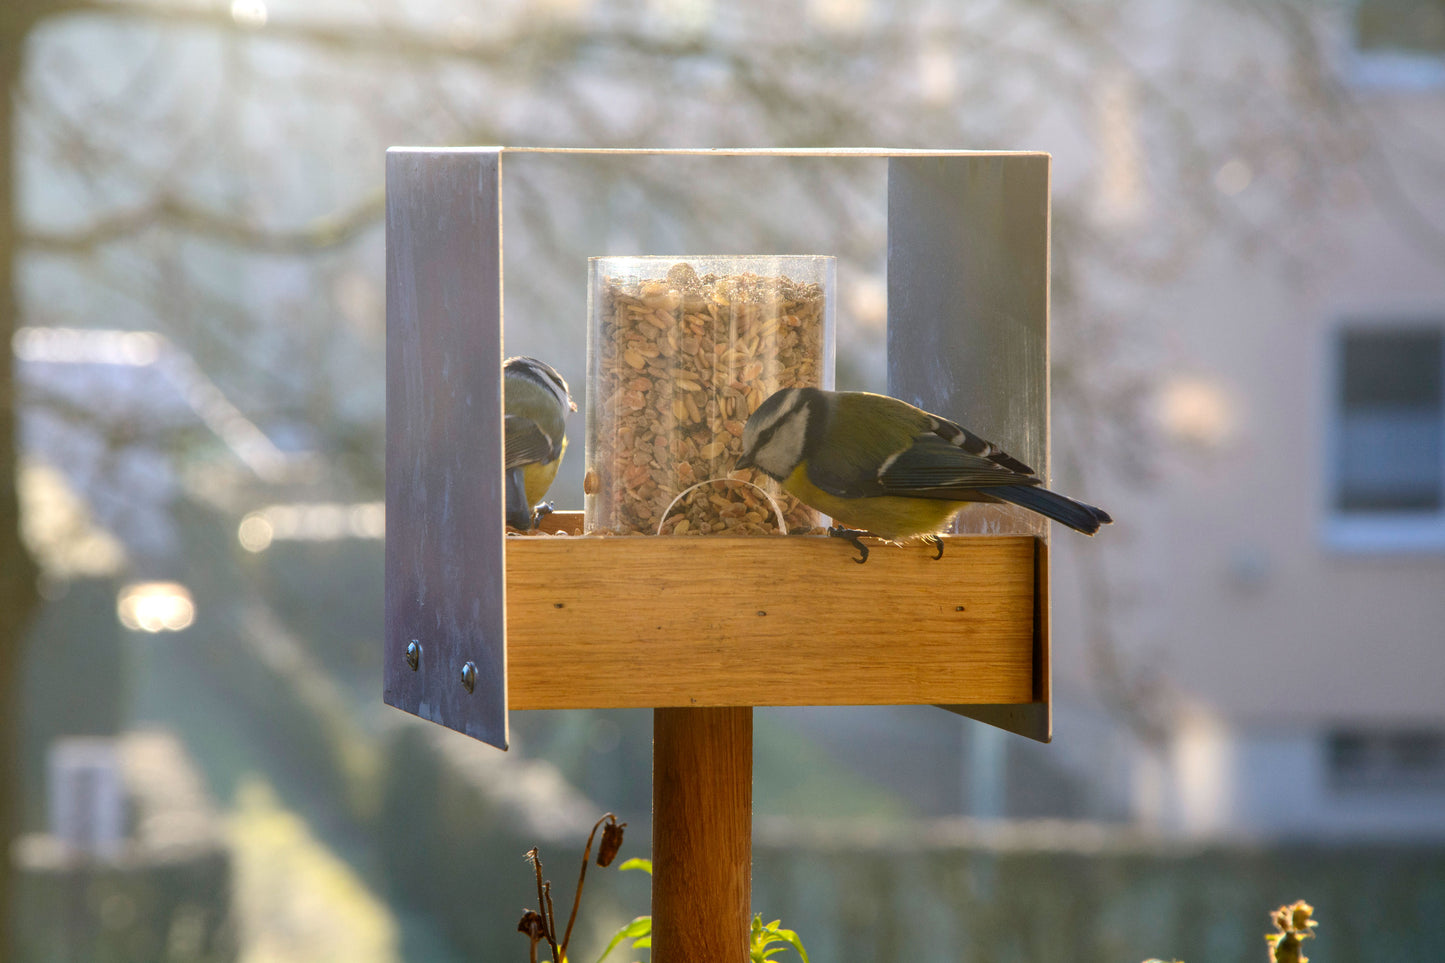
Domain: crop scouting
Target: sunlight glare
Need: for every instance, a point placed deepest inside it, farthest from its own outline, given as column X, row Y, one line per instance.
column 155, row 607
column 249, row 13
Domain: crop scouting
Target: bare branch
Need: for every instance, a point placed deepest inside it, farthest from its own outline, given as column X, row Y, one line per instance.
column 320, row 235
column 393, row 38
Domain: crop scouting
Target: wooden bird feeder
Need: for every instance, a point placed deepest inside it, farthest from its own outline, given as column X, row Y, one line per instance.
column 477, row 623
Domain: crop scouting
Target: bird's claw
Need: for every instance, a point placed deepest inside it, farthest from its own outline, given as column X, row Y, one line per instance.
column 852, row 536
column 542, row 510
column 938, row 543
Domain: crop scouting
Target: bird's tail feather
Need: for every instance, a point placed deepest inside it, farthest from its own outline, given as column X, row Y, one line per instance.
column 518, row 512
column 1062, row 509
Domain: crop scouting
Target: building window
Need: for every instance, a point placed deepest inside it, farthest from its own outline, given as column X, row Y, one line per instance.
column 1399, row 43
column 1391, row 759
column 1389, row 456
column 1388, row 439
column 1400, row 25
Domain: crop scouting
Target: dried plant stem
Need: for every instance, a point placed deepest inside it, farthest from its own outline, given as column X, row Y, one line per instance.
column 552, row 924
column 544, row 901
column 581, row 877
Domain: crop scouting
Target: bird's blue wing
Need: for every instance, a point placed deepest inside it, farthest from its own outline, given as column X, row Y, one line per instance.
column 526, row 443
column 935, row 468
column 942, row 460
column 956, row 434
column 846, row 464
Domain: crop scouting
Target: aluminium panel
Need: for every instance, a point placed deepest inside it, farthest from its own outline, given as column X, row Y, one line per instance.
column 445, row 590
column 968, row 333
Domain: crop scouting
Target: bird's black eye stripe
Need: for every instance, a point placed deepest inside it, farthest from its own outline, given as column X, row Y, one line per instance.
column 543, row 374
column 766, row 435
column 556, row 380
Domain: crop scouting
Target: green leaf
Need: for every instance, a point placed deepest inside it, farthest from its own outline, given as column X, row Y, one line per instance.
column 763, row 937
column 791, row 938
column 639, row 930
column 637, row 862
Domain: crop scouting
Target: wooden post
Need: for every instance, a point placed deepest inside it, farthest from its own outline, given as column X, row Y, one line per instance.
column 702, row 800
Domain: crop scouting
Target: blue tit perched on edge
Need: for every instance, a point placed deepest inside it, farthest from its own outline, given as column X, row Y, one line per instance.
column 535, row 401
column 883, row 467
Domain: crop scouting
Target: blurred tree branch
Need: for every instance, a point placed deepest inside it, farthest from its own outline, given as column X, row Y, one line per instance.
column 174, row 213
column 19, row 595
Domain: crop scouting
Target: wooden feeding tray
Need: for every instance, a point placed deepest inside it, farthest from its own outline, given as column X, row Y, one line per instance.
column 717, row 621
column 477, row 623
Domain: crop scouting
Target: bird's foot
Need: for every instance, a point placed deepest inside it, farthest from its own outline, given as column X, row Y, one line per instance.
column 542, row 510
column 937, row 542
column 852, row 535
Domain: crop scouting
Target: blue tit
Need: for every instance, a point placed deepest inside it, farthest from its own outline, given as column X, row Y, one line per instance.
column 536, row 402
column 881, row 466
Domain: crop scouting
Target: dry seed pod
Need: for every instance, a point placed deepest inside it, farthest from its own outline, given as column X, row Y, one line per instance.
column 681, row 352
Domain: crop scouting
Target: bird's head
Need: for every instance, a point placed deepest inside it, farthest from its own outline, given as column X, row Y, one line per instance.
column 540, row 373
column 776, row 437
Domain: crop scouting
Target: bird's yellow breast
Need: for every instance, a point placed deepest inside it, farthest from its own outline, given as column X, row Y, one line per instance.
column 537, row 477
column 889, row 516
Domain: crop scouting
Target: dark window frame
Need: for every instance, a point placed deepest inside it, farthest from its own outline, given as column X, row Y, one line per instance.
column 1350, row 523
column 1410, row 758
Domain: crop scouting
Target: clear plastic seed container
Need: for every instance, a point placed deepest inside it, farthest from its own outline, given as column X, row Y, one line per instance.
column 680, row 351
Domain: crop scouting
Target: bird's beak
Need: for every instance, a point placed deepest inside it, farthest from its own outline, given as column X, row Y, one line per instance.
column 744, row 461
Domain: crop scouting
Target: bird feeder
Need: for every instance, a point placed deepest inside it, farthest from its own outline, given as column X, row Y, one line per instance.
column 680, row 351
column 477, row 623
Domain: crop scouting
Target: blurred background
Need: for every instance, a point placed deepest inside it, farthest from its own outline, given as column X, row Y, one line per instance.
column 1249, row 372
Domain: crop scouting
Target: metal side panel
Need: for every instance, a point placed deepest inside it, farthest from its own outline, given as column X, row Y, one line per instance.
column 968, row 318
column 445, row 591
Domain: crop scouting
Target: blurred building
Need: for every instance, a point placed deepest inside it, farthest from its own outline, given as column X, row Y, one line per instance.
column 1281, row 585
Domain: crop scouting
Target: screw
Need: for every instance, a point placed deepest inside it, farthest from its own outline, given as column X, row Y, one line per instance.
column 413, row 655
column 469, row 676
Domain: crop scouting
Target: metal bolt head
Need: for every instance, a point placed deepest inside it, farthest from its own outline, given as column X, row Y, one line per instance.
column 469, row 676
column 413, row 655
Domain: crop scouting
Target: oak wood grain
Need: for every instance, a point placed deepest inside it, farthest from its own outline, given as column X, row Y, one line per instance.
column 785, row 620
column 702, row 793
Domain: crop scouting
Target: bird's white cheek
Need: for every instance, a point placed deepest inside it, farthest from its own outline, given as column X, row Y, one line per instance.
column 786, row 447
